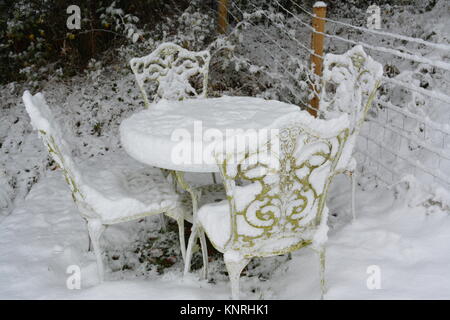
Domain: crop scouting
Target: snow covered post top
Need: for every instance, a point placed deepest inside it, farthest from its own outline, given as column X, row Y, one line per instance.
column 319, row 4
column 317, row 40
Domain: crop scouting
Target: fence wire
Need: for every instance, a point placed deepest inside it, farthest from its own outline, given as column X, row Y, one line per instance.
column 400, row 136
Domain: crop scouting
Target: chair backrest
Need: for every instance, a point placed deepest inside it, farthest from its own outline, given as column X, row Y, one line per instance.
column 52, row 136
column 279, row 200
column 350, row 82
column 172, row 73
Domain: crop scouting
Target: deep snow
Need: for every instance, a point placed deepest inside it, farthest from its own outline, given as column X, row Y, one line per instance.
column 403, row 231
column 45, row 235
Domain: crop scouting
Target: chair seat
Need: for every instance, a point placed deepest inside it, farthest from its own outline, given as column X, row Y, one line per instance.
column 216, row 221
column 119, row 188
column 349, row 166
column 209, row 193
column 347, row 161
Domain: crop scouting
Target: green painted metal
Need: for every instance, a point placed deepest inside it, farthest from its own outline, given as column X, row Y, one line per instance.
column 282, row 207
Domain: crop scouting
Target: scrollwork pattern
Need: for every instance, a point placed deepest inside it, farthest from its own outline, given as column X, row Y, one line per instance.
column 287, row 196
column 172, row 72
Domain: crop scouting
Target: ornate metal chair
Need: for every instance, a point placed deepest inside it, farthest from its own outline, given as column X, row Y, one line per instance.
column 172, row 72
column 350, row 83
column 279, row 205
column 116, row 190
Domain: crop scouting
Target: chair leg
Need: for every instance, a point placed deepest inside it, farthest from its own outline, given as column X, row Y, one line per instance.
column 322, row 272
column 96, row 228
column 162, row 222
column 214, row 178
column 234, row 268
column 353, row 176
column 191, row 242
column 89, row 237
column 204, row 248
column 180, row 222
column 90, row 243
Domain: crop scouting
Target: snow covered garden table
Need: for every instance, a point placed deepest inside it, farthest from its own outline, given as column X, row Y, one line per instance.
column 177, row 135
column 152, row 136
column 155, row 135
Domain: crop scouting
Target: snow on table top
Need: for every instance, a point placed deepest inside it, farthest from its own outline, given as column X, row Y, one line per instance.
column 154, row 135
column 147, row 135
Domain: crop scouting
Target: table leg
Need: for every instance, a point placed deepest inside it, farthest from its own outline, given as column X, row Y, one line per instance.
column 196, row 230
column 167, row 173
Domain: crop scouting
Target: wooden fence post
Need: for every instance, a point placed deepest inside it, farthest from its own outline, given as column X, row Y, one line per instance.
column 222, row 20
column 317, row 41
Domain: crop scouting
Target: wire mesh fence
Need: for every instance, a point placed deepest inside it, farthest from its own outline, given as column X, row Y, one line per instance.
column 407, row 130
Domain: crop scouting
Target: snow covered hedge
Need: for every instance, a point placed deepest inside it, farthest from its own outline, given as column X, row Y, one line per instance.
column 92, row 102
column 35, row 41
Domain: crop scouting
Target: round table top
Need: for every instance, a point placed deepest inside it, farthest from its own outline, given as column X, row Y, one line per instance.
column 156, row 135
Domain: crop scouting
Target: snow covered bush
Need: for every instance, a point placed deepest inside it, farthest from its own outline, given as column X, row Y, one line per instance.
column 86, row 79
column 122, row 22
column 91, row 104
column 261, row 57
column 33, row 33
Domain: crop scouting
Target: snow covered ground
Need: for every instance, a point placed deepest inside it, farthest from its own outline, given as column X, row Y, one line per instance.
column 404, row 233
column 410, row 245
